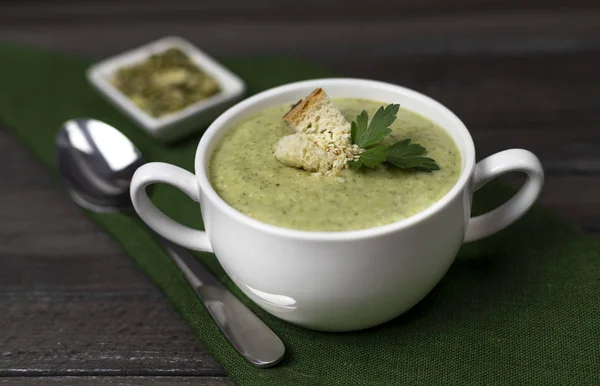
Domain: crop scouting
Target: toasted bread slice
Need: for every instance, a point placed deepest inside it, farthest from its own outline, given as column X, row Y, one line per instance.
column 316, row 114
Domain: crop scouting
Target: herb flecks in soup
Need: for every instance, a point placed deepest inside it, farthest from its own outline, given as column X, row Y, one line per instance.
column 246, row 175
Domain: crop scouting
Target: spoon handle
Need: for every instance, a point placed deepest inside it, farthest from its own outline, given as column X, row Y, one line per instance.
column 250, row 336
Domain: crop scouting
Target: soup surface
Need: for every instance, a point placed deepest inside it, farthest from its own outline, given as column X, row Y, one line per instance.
column 245, row 173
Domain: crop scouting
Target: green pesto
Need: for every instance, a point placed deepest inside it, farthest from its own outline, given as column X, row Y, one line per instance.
column 245, row 173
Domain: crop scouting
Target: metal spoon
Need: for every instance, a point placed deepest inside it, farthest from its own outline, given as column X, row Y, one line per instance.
column 97, row 162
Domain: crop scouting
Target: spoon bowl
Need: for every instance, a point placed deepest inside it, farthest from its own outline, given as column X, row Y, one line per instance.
column 97, row 163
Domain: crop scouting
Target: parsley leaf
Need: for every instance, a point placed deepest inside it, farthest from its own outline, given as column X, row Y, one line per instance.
column 405, row 155
column 384, row 117
column 359, row 126
column 370, row 158
column 365, row 136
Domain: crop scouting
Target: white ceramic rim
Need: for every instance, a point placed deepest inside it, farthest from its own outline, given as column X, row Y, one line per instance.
column 207, row 190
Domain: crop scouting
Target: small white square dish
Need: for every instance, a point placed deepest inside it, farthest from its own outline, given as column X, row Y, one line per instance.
column 194, row 117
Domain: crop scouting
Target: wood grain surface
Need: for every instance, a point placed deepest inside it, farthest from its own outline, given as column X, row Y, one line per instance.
column 74, row 310
column 121, row 381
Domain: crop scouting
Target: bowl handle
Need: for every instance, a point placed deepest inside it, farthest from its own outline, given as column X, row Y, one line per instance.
column 159, row 172
column 493, row 166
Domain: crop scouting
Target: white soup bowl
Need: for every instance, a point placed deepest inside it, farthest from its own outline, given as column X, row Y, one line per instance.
column 339, row 281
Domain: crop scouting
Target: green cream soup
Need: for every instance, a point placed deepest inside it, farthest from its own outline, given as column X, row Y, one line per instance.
column 245, row 173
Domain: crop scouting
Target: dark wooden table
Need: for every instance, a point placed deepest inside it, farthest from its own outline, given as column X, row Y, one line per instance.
column 75, row 310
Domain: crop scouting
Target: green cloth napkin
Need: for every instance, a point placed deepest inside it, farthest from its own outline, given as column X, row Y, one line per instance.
column 521, row 307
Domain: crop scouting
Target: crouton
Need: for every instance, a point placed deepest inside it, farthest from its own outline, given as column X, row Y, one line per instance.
column 297, row 151
column 316, row 114
column 322, row 140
